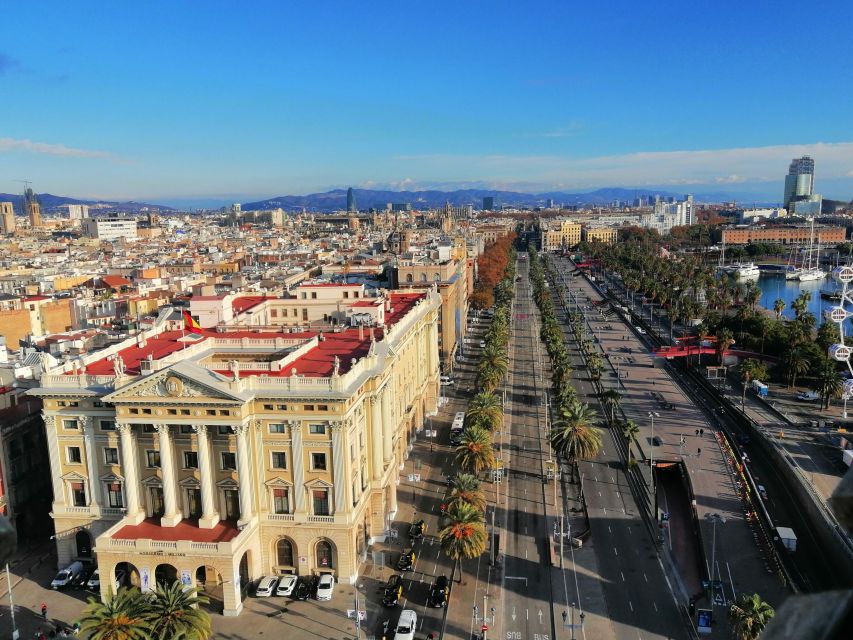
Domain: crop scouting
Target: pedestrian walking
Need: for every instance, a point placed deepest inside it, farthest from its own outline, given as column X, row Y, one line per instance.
column 698, row 452
column 44, row 610
column 701, row 432
column 697, row 432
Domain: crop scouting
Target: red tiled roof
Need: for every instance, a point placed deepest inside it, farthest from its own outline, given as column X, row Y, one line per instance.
column 115, row 281
column 159, row 347
column 247, row 302
column 150, row 529
column 367, row 303
column 36, row 298
column 327, row 284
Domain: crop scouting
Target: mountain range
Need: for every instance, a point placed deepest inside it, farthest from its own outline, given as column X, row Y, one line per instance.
column 50, row 202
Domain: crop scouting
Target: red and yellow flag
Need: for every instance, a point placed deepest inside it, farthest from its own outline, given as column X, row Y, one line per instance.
column 189, row 324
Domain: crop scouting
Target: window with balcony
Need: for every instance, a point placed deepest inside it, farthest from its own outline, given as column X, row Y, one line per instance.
column 280, row 500
column 78, row 494
column 279, row 460
column 320, row 498
column 115, row 500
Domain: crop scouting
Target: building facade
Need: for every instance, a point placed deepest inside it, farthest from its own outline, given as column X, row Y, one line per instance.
column 799, row 183
column 218, row 458
column 110, row 229
column 606, row 235
column 784, row 235
column 7, row 218
column 560, row 234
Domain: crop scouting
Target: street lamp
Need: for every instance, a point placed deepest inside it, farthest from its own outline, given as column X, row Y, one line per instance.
column 714, row 517
column 653, row 415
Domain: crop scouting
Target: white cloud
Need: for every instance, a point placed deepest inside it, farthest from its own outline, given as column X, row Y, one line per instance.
column 710, row 166
column 28, row 146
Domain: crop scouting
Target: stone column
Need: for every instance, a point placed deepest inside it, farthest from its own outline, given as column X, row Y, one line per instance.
column 87, row 427
column 55, row 464
column 387, row 425
column 209, row 515
column 339, row 473
column 244, row 472
column 391, row 507
column 135, row 514
column 173, row 514
column 298, row 466
column 376, row 438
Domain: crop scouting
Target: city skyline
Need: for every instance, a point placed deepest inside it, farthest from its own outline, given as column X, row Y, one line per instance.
column 297, row 100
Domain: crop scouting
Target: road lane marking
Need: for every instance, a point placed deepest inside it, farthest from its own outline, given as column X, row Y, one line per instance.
column 631, row 606
column 615, row 551
column 655, row 605
column 623, row 576
column 646, row 577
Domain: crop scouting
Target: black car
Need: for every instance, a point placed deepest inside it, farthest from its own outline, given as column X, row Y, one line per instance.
column 407, row 560
column 439, row 592
column 417, row 529
column 302, row 590
column 393, row 591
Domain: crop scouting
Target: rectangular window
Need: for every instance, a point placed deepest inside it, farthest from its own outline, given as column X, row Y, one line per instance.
column 70, row 424
column 110, row 455
column 107, row 425
column 281, row 407
column 148, row 428
column 305, row 314
column 277, row 428
column 185, row 428
column 313, row 295
column 114, row 497
column 321, row 502
column 78, row 494
column 294, row 311
column 346, row 294
column 268, row 407
column 279, row 460
column 308, row 407
column 152, row 459
column 210, row 412
column 172, row 412
column 352, row 453
column 134, row 412
column 190, row 460
column 224, row 412
column 224, row 430
column 322, row 407
column 185, row 412
column 146, row 412
column 361, row 439
column 74, row 455
column 229, row 461
column 318, row 461
column 317, row 429
column 280, row 501
column 274, row 313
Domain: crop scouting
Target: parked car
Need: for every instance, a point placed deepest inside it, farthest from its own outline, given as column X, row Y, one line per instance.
column 325, row 587
column 640, row 330
column 417, row 529
column 286, row 585
column 407, row 560
column 266, row 587
column 94, row 581
column 393, row 591
column 808, row 396
column 439, row 592
column 302, row 590
column 67, row 575
column 482, row 344
column 406, row 625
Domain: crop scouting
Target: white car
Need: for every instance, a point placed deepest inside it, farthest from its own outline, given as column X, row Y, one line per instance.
column 640, row 330
column 286, row 585
column 406, row 625
column 266, row 587
column 326, row 587
column 94, row 582
column 445, row 380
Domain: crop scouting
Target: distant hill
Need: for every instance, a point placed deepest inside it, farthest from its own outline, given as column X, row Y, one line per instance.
column 366, row 198
column 50, row 203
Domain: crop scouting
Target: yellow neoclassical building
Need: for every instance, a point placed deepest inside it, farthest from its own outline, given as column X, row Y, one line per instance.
column 218, row 458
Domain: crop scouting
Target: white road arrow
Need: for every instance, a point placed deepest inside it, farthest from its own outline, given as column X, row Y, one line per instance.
column 540, row 616
column 513, row 614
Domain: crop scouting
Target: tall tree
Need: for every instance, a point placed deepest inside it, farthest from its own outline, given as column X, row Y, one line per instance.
column 122, row 616
column 466, row 488
column 464, row 535
column 611, row 399
column 174, row 613
column 778, row 307
column 486, row 408
column 475, row 454
column 829, row 381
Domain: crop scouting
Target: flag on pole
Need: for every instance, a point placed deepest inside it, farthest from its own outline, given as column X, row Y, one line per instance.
column 191, row 325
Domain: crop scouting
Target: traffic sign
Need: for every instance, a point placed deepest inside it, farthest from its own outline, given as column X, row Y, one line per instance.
column 718, row 600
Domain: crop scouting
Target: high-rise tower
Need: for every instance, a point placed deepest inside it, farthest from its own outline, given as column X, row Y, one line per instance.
column 32, row 208
column 799, row 183
column 351, row 206
column 7, row 218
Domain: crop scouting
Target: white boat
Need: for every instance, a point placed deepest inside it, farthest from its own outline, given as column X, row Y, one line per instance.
column 807, row 275
column 810, row 270
column 747, row 270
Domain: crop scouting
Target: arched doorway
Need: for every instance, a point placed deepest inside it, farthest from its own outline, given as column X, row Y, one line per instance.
column 286, row 556
column 127, row 575
column 243, row 572
column 165, row 574
column 84, row 544
column 325, row 556
column 209, row 582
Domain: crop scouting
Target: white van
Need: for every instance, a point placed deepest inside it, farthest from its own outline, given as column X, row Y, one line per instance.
column 67, row 575
column 406, row 626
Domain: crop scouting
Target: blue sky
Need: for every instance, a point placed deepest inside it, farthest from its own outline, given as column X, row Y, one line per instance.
column 225, row 100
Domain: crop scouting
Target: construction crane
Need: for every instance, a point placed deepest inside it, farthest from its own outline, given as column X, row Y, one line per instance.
column 27, row 183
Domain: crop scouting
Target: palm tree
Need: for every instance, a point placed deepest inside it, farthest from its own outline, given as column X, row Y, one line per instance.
column 828, row 381
column 466, row 488
column 486, row 408
column 122, row 616
column 749, row 616
column 796, row 361
column 725, row 339
column 175, row 615
column 630, row 430
column 611, row 399
column 493, row 366
column 752, row 296
column 464, row 536
column 701, row 334
column 573, row 435
column 476, row 453
column 778, row 307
